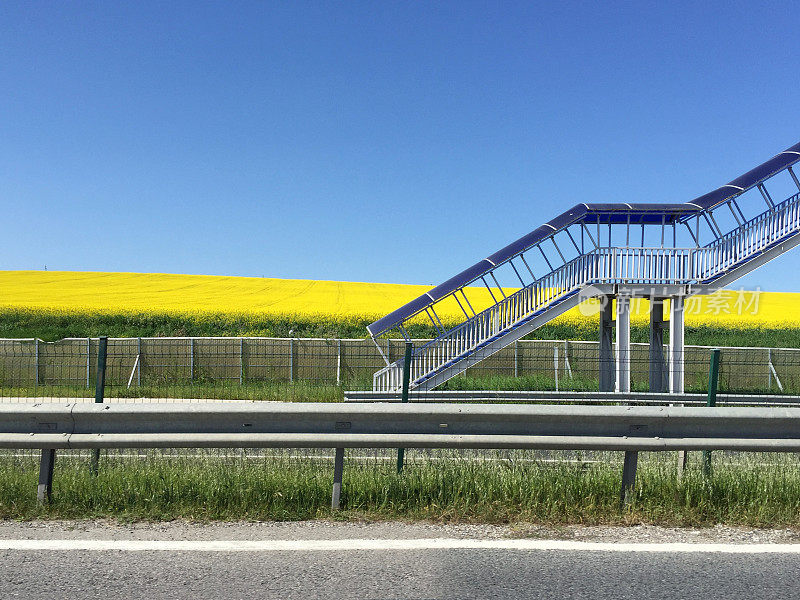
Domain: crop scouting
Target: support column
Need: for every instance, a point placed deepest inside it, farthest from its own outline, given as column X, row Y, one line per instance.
column 606, row 358
column 676, row 345
column 623, row 356
column 658, row 372
column 676, row 361
column 623, row 350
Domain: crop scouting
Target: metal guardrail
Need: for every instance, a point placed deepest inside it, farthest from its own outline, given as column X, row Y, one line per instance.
column 645, row 398
column 236, row 424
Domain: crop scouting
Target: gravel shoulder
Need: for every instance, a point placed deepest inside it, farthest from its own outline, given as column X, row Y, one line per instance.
column 332, row 530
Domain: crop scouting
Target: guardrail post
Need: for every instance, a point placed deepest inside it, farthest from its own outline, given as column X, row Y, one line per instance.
column 628, row 477
column 404, row 397
column 713, row 379
column 338, row 468
column 45, row 489
column 100, row 388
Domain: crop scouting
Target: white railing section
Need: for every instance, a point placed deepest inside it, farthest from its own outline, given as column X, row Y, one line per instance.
column 623, row 265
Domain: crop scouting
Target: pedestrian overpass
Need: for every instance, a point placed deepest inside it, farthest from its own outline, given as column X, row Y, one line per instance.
column 606, row 251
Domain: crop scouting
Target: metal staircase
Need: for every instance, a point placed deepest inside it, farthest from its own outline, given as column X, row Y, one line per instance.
column 592, row 250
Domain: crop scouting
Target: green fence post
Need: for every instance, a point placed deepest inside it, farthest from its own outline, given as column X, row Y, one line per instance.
column 404, row 397
column 713, row 379
column 100, row 387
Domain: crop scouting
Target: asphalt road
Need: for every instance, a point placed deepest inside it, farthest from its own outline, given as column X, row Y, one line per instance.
column 348, row 571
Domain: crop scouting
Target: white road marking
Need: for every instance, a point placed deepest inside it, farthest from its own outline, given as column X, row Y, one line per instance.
column 385, row 544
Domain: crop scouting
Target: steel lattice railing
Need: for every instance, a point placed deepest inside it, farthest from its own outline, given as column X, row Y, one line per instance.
column 604, row 265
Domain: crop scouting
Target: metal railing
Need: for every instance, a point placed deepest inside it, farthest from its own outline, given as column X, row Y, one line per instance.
column 566, row 397
column 612, row 265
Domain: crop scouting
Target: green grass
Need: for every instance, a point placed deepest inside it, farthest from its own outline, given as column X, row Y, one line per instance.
column 755, row 490
column 55, row 325
column 323, row 391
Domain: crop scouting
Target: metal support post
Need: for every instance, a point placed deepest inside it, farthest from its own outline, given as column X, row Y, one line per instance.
column 241, row 361
column 769, row 370
column 338, row 362
column 676, row 361
column 516, row 358
column 606, row 358
column 139, row 364
column 623, row 350
column 713, row 379
column 628, row 477
column 623, row 384
column 404, row 397
column 658, row 375
column 36, row 363
column 45, row 489
column 773, row 374
column 676, row 345
column 555, row 364
column 338, row 468
column 191, row 359
column 567, row 366
column 291, row 360
column 100, row 387
column 88, row 362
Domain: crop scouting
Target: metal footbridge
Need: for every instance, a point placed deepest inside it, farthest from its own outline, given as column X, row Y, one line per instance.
column 620, row 251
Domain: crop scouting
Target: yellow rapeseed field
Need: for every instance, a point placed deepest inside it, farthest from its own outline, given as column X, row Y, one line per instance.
column 163, row 293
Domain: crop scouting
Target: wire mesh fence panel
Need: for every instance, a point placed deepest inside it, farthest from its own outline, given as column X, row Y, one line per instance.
column 320, row 369
column 19, row 364
column 360, row 360
column 784, row 374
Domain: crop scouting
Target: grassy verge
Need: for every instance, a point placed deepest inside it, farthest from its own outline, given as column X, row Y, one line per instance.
column 452, row 489
column 55, row 325
column 321, row 391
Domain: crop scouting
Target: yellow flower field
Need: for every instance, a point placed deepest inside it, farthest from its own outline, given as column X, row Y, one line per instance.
column 163, row 293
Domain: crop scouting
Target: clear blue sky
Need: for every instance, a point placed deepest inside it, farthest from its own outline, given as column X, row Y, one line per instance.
column 394, row 142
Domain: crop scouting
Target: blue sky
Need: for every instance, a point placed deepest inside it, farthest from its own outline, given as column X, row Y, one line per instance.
column 393, row 142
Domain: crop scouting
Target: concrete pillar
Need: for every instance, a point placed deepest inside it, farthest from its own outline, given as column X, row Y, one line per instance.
column 676, row 345
column 623, row 349
column 658, row 371
column 606, row 357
